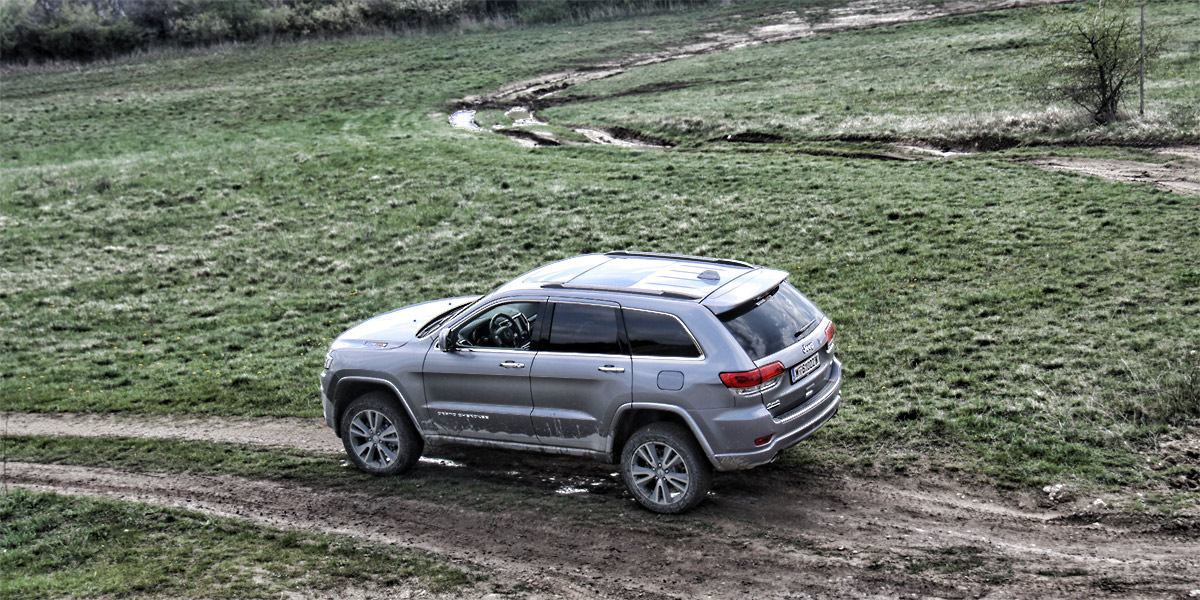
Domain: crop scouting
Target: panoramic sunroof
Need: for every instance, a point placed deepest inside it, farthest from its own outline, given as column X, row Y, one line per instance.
column 659, row 274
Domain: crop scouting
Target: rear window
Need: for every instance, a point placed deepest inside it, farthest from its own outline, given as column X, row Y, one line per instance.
column 658, row 334
column 770, row 324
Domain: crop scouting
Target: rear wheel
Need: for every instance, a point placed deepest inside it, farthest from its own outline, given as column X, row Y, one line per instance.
column 665, row 469
column 378, row 435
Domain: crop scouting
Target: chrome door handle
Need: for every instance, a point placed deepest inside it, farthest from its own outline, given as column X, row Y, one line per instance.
column 508, row 364
column 611, row 369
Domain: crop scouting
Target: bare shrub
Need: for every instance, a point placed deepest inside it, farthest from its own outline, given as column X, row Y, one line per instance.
column 1092, row 58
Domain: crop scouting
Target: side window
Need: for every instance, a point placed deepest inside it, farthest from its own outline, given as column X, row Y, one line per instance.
column 504, row 326
column 657, row 334
column 584, row 328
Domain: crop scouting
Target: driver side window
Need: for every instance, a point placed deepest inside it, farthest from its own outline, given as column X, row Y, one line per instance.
column 508, row 326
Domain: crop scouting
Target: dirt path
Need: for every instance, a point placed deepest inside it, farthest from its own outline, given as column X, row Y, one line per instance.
column 310, row 435
column 1180, row 175
column 774, row 532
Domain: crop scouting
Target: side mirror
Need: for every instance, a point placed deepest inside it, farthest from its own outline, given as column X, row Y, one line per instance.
column 443, row 341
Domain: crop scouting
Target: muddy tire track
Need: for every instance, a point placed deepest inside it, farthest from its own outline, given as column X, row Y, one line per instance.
column 773, row 532
column 1180, row 175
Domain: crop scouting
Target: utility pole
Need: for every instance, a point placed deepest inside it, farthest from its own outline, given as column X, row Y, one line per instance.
column 1142, row 65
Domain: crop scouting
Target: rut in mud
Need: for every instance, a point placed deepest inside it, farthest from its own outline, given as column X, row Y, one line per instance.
column 773, row 532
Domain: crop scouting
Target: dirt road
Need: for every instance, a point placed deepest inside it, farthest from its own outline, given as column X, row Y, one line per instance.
column 774, row 532
column 1180, row 175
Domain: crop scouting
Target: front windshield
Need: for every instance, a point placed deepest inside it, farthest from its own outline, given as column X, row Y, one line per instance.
column 437, row 321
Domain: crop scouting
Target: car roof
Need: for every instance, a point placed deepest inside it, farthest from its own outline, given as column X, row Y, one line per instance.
column 691, row 278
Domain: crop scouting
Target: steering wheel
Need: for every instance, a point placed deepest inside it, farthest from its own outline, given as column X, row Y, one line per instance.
column 504, row 331
column 523, row 328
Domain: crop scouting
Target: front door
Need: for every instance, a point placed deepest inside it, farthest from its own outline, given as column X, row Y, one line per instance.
column 480, row 389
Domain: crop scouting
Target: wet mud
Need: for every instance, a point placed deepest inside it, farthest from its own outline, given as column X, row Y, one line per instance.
column 775, row 532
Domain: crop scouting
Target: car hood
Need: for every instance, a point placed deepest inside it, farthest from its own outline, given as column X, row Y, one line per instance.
column 401, row 325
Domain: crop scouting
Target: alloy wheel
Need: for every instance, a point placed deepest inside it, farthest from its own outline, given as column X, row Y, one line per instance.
column 659, row 472
column 374, row 438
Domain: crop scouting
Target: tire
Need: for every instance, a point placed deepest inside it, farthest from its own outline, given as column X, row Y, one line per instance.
column 664, row 468
column 378, row 436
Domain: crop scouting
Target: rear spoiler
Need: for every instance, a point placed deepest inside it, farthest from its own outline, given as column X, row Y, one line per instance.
column 743, row 289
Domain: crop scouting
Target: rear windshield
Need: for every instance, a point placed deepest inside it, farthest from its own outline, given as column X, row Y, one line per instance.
column 768, row 325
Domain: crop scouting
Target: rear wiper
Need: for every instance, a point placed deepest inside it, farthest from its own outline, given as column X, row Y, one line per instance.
column 804, row 330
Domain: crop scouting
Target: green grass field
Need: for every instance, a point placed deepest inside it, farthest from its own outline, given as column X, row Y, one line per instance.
column 56, row 546
column 185, row 233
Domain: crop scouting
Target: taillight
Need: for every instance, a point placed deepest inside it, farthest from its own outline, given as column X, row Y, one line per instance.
column 754, row 380
column 829, row 331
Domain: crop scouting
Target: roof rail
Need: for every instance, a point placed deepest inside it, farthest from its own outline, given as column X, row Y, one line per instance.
column 617, row 288
column 719, row 261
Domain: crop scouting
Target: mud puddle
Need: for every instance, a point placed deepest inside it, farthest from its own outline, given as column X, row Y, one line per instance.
column 1180, row 175
column 605, row 138
column 522, row 117
column 931, row 151
column 523, row 121
column 464, row 119
column 773, row 532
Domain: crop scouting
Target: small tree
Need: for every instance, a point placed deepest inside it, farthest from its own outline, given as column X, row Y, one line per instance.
column 1090, row 59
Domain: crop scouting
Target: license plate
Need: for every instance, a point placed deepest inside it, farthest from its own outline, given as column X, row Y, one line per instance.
column 806, row 367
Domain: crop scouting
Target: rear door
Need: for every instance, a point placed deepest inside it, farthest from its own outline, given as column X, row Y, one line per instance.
column 582, row 375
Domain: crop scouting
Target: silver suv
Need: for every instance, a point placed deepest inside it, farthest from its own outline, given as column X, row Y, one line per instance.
column 672, row 365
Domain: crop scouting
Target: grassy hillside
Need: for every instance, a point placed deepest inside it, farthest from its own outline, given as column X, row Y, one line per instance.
column 186, row 234
column 961, row 81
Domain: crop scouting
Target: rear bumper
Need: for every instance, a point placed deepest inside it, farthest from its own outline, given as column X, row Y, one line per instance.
column 788, row 429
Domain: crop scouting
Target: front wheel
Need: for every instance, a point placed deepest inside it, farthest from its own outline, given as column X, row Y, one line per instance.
column 378, row 435
column 665, row 469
